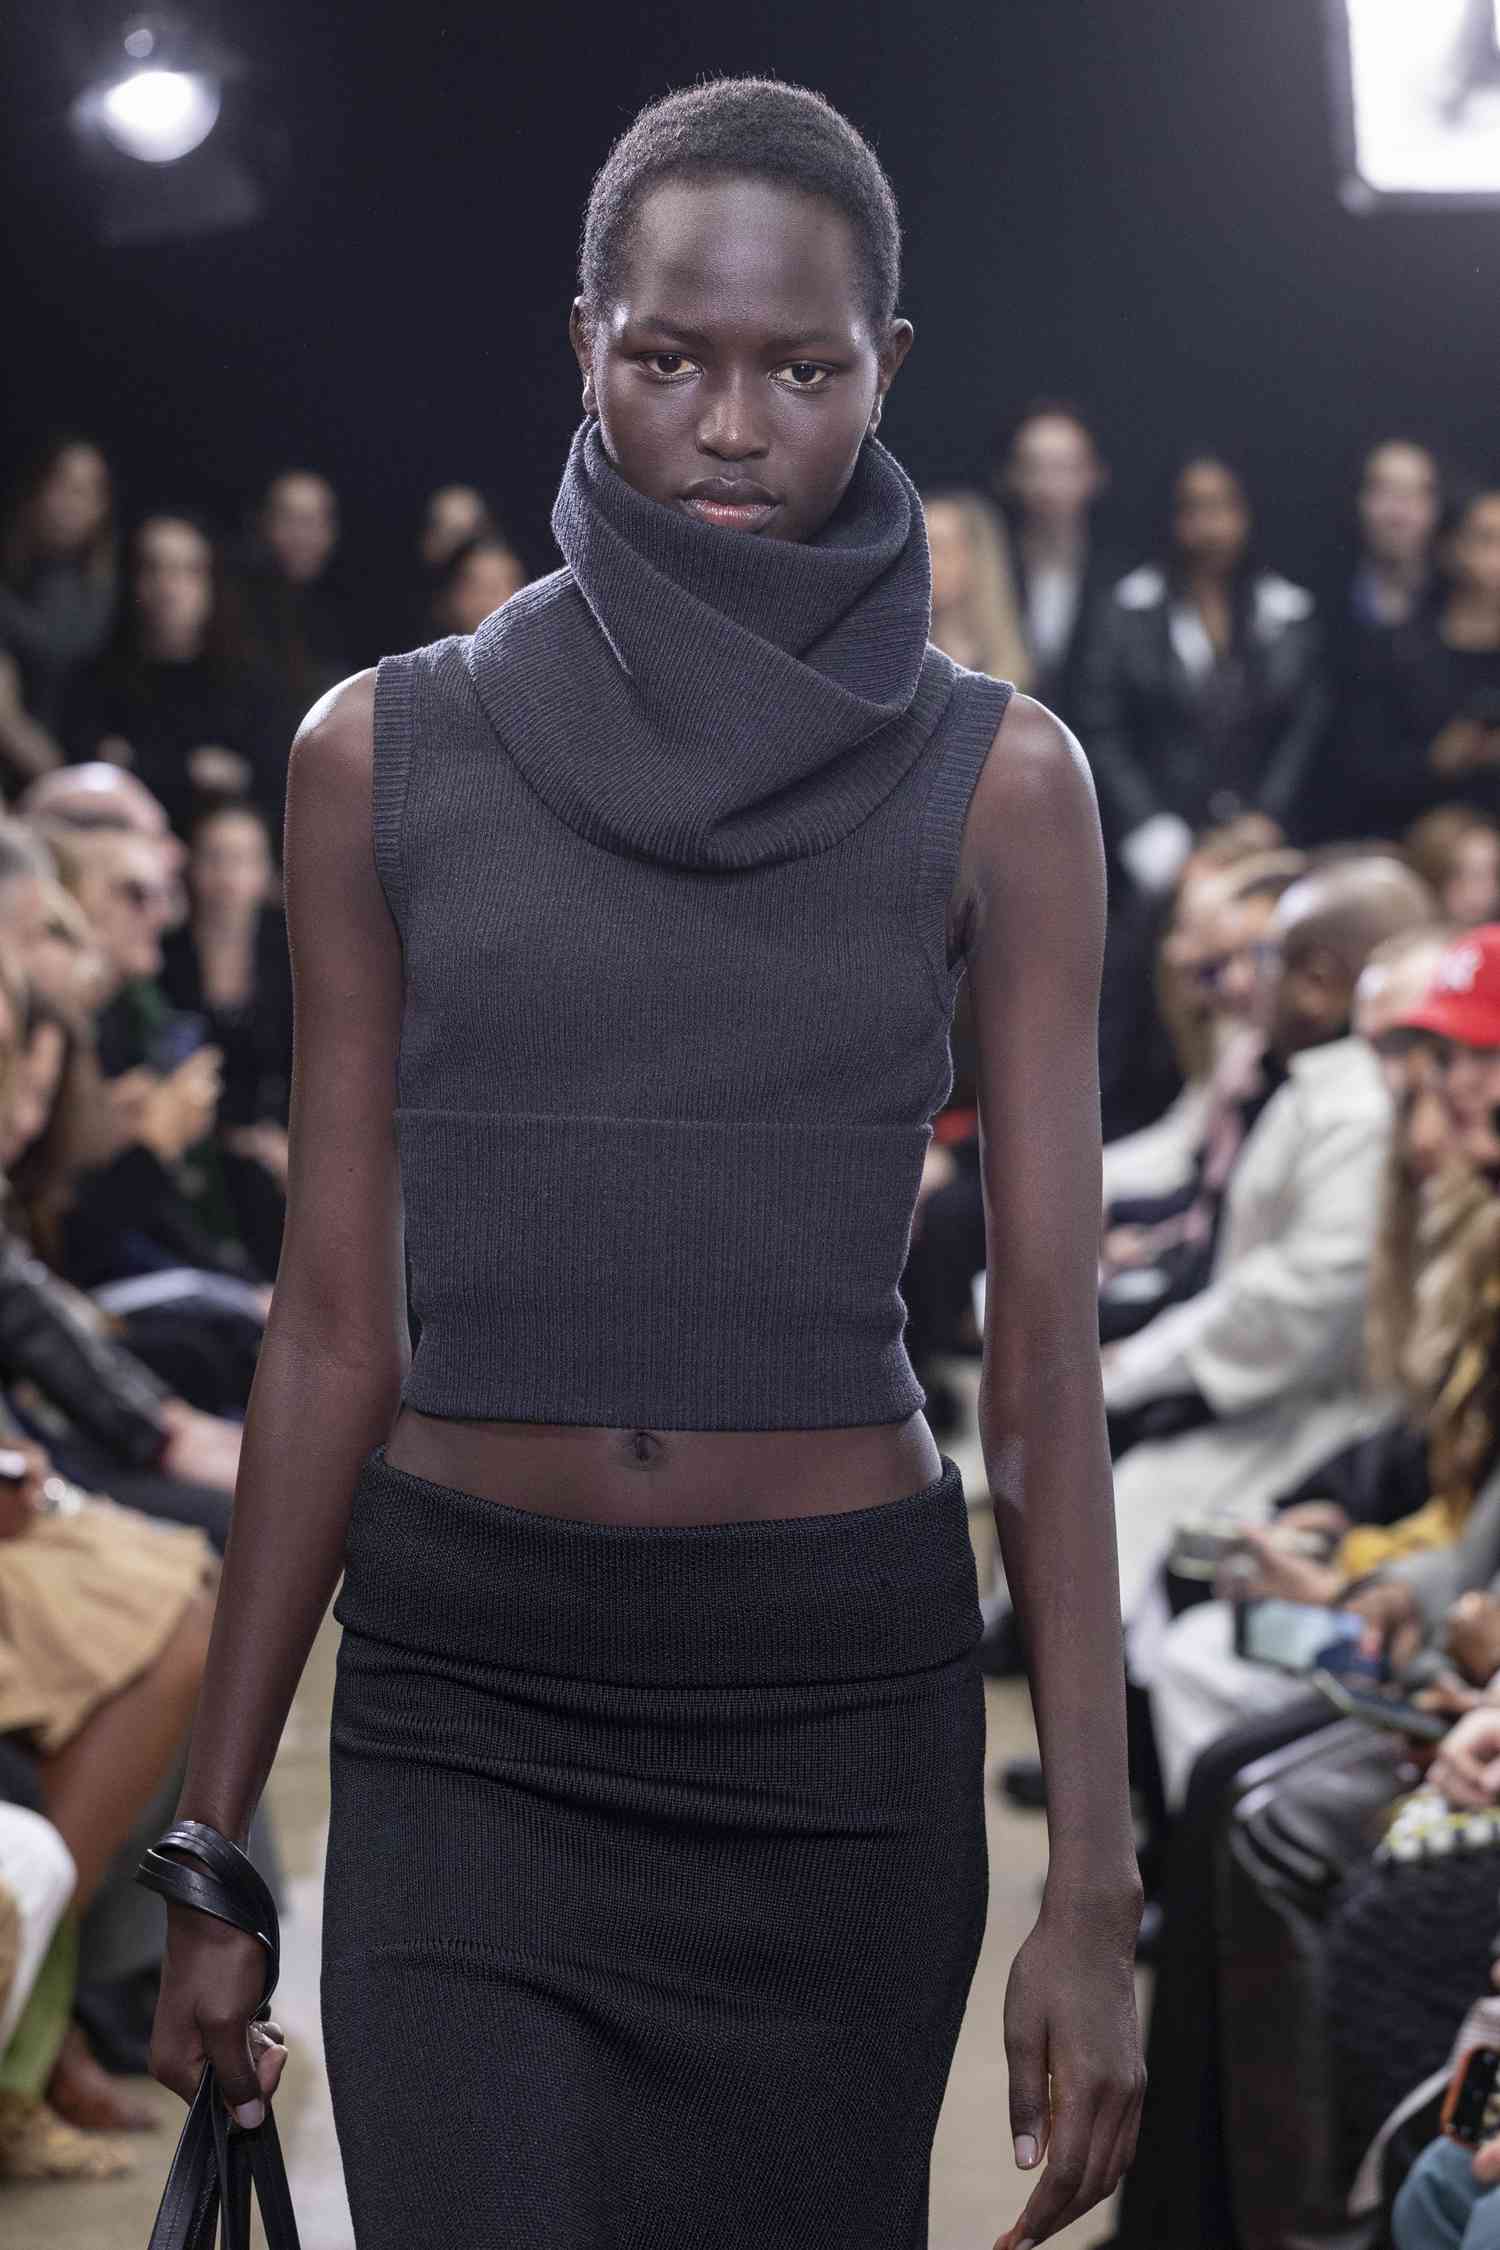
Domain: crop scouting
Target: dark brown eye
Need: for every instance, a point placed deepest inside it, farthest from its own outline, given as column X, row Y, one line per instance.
column 667, row 363
column 806, row 374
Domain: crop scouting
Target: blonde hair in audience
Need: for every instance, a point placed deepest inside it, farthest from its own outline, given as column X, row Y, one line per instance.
column 989, row 616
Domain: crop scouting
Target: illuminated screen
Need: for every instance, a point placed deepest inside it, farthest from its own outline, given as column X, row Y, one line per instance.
column 1417, row 100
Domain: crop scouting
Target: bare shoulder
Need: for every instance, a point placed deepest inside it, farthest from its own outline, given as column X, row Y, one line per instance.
column 1036, row 768
column 333, row 749
column 1033, row 818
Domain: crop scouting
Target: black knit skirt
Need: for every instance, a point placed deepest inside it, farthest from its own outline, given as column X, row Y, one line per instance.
column 656, row 1876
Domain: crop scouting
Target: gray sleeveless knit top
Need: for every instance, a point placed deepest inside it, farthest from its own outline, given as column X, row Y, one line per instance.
column 669, row 842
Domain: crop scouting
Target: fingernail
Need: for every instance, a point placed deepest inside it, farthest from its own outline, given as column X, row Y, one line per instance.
column 1028, row 2244
column 1026, row 2155
column 250, row 2114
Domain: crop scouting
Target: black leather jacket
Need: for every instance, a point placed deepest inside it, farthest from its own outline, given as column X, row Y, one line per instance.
column 96, row 1382
column 1164, row 735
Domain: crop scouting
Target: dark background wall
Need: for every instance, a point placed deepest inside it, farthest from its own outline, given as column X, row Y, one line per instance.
column 1130, row 201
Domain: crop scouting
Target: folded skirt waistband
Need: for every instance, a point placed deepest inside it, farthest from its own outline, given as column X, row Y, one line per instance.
column 857, row 1593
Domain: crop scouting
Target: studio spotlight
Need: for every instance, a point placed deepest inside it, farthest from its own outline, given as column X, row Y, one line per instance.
column 159, row 115
column 171, row 135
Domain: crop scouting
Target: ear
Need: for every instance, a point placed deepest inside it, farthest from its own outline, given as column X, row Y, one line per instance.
column 583, row 351
column 899, row 338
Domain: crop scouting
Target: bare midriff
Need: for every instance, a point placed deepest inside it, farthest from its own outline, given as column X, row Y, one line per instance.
column 646, row 1476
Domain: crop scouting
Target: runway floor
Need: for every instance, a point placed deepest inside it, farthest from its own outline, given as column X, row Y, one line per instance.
column 976, row 2191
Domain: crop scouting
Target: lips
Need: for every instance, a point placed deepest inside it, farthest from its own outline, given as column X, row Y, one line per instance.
column 733, row 503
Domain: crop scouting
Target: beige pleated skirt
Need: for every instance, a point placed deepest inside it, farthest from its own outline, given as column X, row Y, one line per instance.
column 87, row 1603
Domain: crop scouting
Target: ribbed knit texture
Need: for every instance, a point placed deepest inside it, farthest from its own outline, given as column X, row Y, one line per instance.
column 670, row 842
column 657, row 1871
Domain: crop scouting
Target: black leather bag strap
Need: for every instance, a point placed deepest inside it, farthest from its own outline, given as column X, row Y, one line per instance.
column 217, row 2163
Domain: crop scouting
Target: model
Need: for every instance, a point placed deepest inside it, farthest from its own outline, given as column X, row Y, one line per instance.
column 625, row 935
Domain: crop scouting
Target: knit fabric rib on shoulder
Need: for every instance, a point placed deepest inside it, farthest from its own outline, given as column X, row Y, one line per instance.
column 670, row 842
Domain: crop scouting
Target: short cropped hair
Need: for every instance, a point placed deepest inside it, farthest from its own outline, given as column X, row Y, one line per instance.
column 750, row 128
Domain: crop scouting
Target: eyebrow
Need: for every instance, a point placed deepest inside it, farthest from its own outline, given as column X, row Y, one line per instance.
column 792, row 340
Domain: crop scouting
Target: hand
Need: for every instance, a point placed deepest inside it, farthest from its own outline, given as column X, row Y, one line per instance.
column 21, row 1503
column 201, row 1448
column 180, row 1106
column 1471, row 1635
column 1126, row 1247
column 1487, row 2162
column 269, row 1144
column 211, row 1982
column 1325, row 1516
column 1070, row 2017
column 1467, row 1766
column 1279, row 1572
column 1390, row 1611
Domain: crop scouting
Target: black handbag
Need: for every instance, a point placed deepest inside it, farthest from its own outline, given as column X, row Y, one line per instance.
column 217, row 2162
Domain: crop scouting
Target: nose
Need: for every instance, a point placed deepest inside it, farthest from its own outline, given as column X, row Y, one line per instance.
column 731, row 428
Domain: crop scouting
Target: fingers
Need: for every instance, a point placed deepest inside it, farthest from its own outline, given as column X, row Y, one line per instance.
column 228, row 2045
column 1080, row 2165
column 1030, row 2105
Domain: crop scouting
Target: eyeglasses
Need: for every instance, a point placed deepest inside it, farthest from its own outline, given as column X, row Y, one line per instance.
column 1261, row 957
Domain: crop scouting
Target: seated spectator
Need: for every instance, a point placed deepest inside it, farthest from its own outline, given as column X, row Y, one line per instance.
column 476, row 578
column 149, row 1226
column 108, row 1419
column 57, row 591
column 1393, row 581
column 104, row 1625
column 1257, row 1378
column 1205, row 695
column 299, row 619
column 1158, row 1247
column 1157, row 1158
column 229, row 963
column 1434, row 1330
column 1438, row 736
column 1456, row 851
column 454, row 514
column 175, row 697
column 975, row 617
column 1051, row 481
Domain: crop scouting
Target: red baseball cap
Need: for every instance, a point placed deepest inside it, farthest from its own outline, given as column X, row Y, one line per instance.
column 1463, row 1000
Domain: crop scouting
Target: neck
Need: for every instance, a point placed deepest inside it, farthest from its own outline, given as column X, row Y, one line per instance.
column 167, row 647
column 1054, row 539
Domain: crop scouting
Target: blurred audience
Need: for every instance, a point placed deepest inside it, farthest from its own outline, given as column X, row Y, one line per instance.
column 177, row 697
column 1205, row 696
column 975, row 618
column 477, row 576
column 57, row 592
column 1051, row 479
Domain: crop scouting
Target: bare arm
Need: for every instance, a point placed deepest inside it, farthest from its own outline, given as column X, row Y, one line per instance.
column 1032, row 881
column 331, row 1362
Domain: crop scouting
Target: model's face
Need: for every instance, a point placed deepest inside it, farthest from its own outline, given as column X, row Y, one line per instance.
column 1398, row 503
column 1210, row 518
column 735, row 370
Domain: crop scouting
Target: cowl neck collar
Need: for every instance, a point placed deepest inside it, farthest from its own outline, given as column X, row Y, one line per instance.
column 714, row 698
